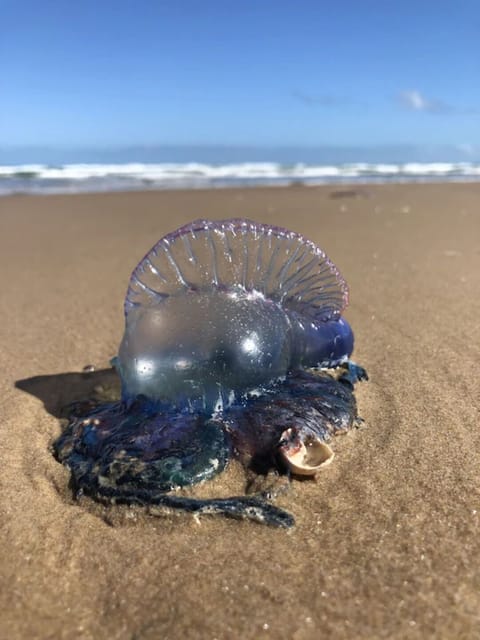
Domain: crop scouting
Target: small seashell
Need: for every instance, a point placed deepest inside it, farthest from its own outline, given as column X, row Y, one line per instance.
column 304, row 453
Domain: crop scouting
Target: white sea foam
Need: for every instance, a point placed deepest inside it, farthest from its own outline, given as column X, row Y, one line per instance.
column 40, row 178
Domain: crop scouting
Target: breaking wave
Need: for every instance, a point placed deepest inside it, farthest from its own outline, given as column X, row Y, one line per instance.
column 75, row 178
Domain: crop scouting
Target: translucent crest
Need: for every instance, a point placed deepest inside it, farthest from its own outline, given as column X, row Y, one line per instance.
column 281, row 265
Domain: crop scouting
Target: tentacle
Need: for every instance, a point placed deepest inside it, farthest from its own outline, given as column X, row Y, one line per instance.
column 255, row 508
column 130, row 449
column 127, row 456
column 353, row 373
column 307, row 409
column 120, row 455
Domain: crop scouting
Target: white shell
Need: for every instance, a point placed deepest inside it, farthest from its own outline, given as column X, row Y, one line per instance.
column 305, row 455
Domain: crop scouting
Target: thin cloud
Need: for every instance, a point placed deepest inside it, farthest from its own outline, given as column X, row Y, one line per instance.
column 414, row 100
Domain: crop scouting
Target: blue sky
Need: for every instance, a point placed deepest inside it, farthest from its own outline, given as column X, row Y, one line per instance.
column 252, row 73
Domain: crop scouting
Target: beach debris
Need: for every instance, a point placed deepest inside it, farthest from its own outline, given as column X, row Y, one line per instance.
column 234, row 347
column 349, row 193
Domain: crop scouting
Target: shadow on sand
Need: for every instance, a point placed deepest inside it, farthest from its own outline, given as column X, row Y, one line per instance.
column 59, row 391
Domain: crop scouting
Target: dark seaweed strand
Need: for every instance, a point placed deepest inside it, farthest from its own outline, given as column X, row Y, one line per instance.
column 262, row 230
column 254, row 508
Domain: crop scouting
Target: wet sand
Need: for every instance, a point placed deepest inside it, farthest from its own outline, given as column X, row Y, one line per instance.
column 387, row 540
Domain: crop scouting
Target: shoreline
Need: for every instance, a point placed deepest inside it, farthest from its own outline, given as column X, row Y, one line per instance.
column 291, row 184
column 138, row 176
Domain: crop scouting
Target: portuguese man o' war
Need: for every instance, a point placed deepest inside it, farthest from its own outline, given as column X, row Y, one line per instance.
column 229, row 328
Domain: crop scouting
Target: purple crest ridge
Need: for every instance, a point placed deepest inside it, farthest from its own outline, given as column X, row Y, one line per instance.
column 279, row 264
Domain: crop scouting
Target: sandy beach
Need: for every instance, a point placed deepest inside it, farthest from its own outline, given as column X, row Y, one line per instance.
column 387, row 540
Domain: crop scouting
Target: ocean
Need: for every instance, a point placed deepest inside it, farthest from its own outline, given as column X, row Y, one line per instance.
column 90, row 177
